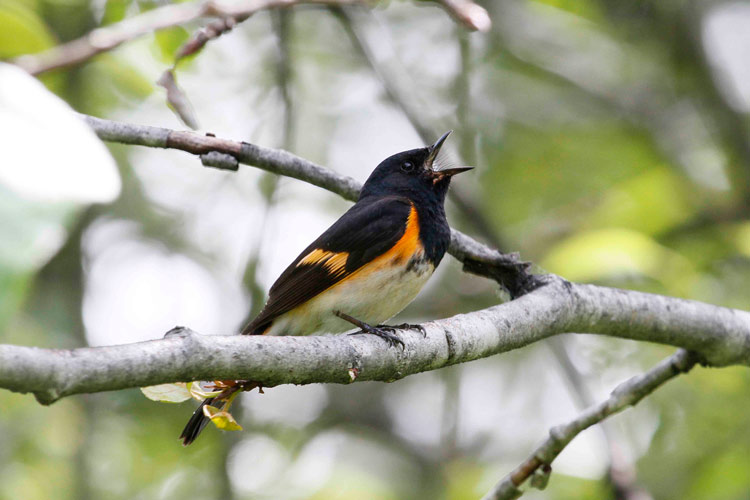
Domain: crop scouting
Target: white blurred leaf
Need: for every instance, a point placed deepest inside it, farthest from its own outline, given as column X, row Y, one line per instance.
column 167, row 393
column 49, row 153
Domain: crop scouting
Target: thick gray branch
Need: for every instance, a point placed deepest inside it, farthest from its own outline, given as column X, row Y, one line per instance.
column 629, row 393
column 720, row 336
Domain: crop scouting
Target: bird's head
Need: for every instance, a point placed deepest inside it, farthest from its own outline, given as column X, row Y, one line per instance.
column 412, row 174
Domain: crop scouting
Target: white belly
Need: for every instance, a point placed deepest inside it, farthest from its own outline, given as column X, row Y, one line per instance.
column 374, row 300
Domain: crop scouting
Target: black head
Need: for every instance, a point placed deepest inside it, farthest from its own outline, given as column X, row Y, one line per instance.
column 411, row 174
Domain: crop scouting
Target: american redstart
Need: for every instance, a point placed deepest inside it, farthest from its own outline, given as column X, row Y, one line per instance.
column 363, row 270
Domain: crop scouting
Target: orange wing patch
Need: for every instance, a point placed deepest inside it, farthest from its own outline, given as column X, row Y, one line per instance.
column 332, row 261
column 406, row 247
column 409, row 244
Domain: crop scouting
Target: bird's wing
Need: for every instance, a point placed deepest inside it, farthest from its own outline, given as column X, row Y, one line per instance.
column 365, row 232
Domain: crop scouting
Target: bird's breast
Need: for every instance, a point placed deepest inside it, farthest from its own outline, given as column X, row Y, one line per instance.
column 373, row 294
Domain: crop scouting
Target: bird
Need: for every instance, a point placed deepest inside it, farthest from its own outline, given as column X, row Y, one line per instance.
column 365, row 268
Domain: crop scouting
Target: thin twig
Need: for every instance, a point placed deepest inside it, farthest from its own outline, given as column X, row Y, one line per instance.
column 629, row 393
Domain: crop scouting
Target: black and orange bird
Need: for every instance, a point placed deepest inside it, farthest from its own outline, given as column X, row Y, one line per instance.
column 368, row 266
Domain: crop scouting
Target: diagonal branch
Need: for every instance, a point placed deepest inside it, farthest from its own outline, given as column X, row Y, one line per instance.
column 629, row 393
column 229, row 14
column 109, row 37
column 620, row 474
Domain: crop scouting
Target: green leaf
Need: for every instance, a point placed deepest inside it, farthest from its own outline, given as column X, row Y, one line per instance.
column 221, row 419
column 651, row 202
column 608, row 253
column 169, row 41
column 23, row 32
column 115, row 11
column 123, row 76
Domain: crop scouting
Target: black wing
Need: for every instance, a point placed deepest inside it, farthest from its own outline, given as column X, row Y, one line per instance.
column 365, row 231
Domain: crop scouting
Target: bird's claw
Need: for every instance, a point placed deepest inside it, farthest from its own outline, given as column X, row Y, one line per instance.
column 407, row 326
column 385, row 332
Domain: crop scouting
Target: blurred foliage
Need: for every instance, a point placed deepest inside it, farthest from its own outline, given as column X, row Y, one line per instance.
column 613, row 148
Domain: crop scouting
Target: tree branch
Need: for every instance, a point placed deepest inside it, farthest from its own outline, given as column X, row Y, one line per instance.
column 720, row 336
column 229, row 14
column 629, row 393
column 109, row 37
column 621, row 474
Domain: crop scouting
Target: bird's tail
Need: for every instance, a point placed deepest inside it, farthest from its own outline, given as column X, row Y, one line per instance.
column 222, row 402
column 196, row 424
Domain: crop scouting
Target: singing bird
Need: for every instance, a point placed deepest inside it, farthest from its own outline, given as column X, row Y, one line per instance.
column 368, row 266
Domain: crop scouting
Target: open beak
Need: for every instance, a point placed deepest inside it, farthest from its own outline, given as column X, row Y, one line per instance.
column 435, row 149
column 439, row 175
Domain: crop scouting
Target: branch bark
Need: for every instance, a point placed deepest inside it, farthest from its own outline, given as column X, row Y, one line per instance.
column 720, row 336
column 629, row 393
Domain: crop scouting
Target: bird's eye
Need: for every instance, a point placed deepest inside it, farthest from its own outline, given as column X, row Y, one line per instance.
column 407, row 166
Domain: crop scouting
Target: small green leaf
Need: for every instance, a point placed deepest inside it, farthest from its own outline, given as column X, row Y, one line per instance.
column 167, row 393
column 221, row 419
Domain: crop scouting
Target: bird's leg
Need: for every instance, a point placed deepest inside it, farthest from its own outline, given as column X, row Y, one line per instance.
column 385, row 332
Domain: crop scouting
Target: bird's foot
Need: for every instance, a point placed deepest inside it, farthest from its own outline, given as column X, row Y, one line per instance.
column 406, row 326
column 385, row 332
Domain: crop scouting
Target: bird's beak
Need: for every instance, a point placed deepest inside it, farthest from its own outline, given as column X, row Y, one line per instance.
column 450, row 172
column 435, row 149
column 439, row 175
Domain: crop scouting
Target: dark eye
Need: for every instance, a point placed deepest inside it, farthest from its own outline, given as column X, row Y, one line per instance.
column 407, row 166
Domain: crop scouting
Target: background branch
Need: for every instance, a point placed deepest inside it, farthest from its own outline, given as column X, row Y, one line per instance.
column 628, row 393
column 621, row 474
column 106, row 38
column 109, row 37
column 468, row 13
